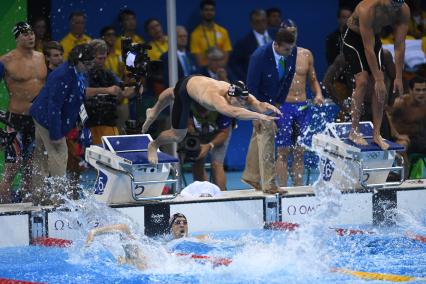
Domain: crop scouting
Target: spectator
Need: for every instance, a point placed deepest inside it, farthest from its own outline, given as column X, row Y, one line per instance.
column 258, row 36
column 274, row 18
column 293, row 124
column 214, row 132
column 76, row 35
column 216, row 66
column 270, row 73
column 408, row 119
column 208, row 34
column 103, row 89
column 24, row 73
column 159, row 41
column 55, row 112
column 127, row 19
column 417, row 24
column 114, row 61
column 186, row 61
column 54, row 54
column 41, row 33
column 333, row 43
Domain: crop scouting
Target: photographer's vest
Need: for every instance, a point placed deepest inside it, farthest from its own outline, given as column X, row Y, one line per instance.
column 205, row 124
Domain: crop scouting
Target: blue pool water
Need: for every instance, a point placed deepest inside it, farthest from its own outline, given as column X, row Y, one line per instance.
column 259, row 256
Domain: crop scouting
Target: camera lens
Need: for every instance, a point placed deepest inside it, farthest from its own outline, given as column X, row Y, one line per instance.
column 191, row 142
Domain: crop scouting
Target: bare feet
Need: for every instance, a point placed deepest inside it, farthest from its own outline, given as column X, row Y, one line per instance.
column 152, row 153
column 150, row 117
column 357, row 138
column 275, row 190
column 253, row 184
column 380, row 142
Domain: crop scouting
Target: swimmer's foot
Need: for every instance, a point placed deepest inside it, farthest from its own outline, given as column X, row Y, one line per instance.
column 150, row 117
column 380, row 142
column 357, row 138
column 253, row 184
column 152, row 153
column 275, row 190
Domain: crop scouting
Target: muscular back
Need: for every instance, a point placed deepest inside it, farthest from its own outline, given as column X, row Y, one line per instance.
column 205, row 91
column 381, row 13
column 25, row 75
column 297, row 92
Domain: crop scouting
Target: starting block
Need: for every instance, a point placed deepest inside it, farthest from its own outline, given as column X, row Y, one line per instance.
column 124, row 172
column 354, row 166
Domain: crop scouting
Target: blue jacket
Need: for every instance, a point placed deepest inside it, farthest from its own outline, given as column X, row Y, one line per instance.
column 165, row 59
column 262, row 76
column 240, row 56
column 57, row 106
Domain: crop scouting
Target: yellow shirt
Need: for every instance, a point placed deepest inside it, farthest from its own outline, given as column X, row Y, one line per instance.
column 203, row 39
column 135, row 39
column 70, row 41
column 158, row 48
column 114, row 63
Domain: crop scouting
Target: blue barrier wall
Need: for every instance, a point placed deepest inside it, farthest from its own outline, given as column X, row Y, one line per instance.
column 314, row 18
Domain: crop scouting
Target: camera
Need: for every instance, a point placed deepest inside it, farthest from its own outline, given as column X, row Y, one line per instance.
column 6, row 138
column 135, row 56
column 189, row 148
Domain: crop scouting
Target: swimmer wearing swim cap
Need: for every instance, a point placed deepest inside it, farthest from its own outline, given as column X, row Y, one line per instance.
column 178, row 226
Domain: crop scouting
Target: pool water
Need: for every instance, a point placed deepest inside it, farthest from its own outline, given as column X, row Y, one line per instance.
column 257, row 256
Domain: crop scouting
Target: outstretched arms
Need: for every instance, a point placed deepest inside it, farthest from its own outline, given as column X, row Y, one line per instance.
column 222, row 106
column 108, row 229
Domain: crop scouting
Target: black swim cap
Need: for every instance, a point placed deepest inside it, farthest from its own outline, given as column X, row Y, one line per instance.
column 173, row 219
column 20, row 28
column 238, row 89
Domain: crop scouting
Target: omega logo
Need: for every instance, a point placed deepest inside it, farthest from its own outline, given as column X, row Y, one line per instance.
column 300, row 210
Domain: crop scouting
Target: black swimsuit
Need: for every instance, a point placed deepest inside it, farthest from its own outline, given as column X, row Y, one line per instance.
column 353, row 50
column 181, row 105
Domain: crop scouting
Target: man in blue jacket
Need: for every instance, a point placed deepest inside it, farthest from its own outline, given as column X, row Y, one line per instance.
column 55, row 112
column 270, row 73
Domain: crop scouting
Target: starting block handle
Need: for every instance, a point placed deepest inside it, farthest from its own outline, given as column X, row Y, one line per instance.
column 399, row 168
column 133, row 183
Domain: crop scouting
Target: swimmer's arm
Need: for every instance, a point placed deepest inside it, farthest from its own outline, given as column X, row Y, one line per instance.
column 108, row 229
column 261, row 107
column 400, row 32
column 240, row 113
column 366, row 19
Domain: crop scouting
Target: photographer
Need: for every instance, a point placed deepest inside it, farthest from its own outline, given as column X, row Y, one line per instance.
column 102, row 107
column 208, row 132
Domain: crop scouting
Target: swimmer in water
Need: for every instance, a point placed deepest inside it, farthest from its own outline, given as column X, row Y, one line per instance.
column 133, row 254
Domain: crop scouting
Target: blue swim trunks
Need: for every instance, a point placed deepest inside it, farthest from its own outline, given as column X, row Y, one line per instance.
column 292, row 125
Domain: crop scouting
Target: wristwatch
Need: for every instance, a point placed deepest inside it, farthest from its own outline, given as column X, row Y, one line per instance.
column 211, row 145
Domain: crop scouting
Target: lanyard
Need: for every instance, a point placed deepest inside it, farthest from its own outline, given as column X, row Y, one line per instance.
column 207, row 39
column 158, row 47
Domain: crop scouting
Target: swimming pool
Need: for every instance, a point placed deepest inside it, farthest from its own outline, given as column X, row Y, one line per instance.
column 308, row 254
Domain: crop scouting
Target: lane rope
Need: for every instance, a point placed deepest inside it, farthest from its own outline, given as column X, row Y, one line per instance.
column 378, row 276
column 415, row 237
column 62, row 243
column 287, row 226
column 13, row 281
